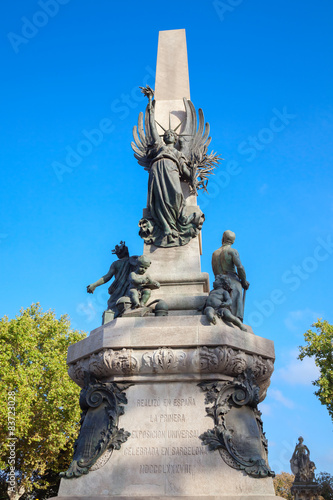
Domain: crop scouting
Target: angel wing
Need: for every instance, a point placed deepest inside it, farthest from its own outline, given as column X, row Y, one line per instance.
column 194, row 146
column 196, row 140
column 144, row 140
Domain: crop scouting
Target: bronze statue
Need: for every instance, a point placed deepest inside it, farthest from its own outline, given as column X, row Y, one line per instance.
column 219, row 302
column 141, row 284
column 301, row 465
column 120, row 270
column 226, row 261
column 168, row 161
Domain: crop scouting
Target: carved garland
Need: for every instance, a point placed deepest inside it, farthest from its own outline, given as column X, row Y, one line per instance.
column 238, row 432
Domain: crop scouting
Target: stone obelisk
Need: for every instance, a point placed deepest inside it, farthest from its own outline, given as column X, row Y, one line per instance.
column 159, row 377
column 183, row 286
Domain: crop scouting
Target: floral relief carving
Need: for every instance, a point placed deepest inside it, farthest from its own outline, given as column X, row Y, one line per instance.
column 261, row 367
column 107, row 361
column 232, row 362
column 208, row 359
column 164, row 359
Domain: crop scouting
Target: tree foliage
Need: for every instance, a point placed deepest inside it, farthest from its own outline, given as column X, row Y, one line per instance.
column 282, row 485
column 325, row 481
column 33, row 350
column 320, row 347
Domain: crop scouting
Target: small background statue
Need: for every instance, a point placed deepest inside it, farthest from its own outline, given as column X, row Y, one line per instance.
column 170, row 159
column 219, row 302
column 301, row 465
column 226, row 261
column 120, row 270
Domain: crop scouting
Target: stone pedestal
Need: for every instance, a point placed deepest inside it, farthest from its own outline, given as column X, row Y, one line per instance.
column 164, row 456
column 305, row 491
column 168, row 360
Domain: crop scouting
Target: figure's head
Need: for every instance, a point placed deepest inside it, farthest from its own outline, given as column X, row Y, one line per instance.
column 170, row 137
column 222, row 281
column 121, row 250
column 143, row 264
column 228, row 237
column 300, row 439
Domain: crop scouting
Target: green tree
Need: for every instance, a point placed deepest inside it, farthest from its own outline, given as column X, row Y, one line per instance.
column 34, row 386
column 325, row 481
column 282, row 485
column 320, row 347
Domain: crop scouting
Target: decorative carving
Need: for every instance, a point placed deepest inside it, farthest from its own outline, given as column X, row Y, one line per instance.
column 232, row 362
column 261, row 367
column 102, row 460
column 76, row 371
column 101, row 405
column 120, row 362
column 177, row 157
column 208, row 359
column 128, row 362
column 226, row 261
column 238, row 431
column 164, row 360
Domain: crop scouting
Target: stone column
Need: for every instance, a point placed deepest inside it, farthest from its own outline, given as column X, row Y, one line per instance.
column 178, row 269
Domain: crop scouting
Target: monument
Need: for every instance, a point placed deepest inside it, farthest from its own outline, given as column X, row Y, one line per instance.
column 170, row 352
column 304, row 486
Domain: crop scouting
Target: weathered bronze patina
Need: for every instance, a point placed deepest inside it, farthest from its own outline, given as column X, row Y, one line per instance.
column 226, row 260
column 169, row 160
column 238, row 433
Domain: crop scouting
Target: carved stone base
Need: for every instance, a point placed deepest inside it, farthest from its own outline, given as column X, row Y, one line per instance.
column 163, row 497
column 303, row 491
column 164, row 456
column 169, row 361
column 169, row 366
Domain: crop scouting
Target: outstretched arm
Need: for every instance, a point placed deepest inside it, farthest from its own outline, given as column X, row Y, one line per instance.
column 104, row 279
column 152, row 124
column 148, row 92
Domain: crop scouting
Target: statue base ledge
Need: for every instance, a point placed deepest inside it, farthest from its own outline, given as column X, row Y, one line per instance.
column 171, row 331
column 168, row 349
column 191, row 497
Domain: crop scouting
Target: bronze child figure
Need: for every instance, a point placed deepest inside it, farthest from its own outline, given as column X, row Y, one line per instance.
column 219, row 302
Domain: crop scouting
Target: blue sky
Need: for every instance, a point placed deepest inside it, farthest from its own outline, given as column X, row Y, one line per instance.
column 262, row 72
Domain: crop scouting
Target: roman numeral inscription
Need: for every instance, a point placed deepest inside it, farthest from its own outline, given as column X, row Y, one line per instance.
column 165, row 438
